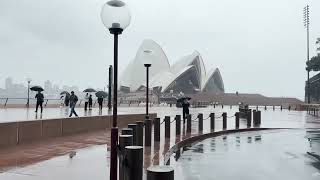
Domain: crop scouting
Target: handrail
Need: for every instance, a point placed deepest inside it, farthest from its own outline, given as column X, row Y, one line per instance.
column 46, row 100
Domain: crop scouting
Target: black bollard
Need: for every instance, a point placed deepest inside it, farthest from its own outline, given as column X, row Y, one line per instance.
column 281, row 107
column 254, row 117
column 189, row 123
column 258, row 114
column 237, row 120
column 200, row 118
column 178, row 124
column 273, row 108
column 167, row 126
column 124, row 140
column 214, row 105
column 160, row 173
column 126, row 131
column 224, row 121
column 139, row 133
column 156, row 128
column 222, row 106
column 212, row 121
column 134, row 158
column 133, row 127
column 257, row 108
column 147, row 132
column 265, row 107
column 249, row 118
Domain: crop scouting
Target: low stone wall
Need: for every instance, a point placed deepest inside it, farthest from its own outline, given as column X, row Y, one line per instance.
column 15, row 133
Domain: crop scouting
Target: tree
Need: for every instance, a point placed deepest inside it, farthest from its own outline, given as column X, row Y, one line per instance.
column 318, row 43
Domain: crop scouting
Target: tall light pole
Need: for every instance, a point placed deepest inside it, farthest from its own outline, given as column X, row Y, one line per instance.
column 306, row 20
column 147, row 64
column 116, row 17
column 28, row 101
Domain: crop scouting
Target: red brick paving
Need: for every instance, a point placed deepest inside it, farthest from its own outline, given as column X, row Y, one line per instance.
column 25, row 154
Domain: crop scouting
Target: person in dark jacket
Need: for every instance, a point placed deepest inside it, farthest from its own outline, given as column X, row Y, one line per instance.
column 90, row 102
column 67, row 100
column 40, row 99
column 73, row 101
column 86, row 101
column 185, row 108
column 100, row 102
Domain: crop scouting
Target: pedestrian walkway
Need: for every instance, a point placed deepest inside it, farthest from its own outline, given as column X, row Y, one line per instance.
column 15, row 161
column 25, row 154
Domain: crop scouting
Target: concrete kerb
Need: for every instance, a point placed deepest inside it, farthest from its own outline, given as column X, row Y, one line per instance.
column 201, row 137
column 14, row 133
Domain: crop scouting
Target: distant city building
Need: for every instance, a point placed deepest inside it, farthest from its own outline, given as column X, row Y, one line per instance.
column 48, row 86
column 8, row 83
column 188, row 75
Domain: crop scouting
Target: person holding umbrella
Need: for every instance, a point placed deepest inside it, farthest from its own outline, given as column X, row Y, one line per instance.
column 40, row 98
column 185, row 107
column 86, row 101
column 101, row 95
column 100, row 102
column 66, row 97
column 73, row 101
column 90, row 102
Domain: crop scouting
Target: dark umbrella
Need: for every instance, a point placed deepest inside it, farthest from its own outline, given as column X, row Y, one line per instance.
column 183, row 98
column 102, row 94
column 89, row 90
column 65, row 92
column 37, row 88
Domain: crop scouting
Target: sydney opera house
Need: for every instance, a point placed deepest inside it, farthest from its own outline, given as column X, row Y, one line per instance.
column 187, row 75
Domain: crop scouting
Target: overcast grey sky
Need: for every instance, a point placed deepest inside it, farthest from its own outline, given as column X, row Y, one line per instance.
column 259, row 45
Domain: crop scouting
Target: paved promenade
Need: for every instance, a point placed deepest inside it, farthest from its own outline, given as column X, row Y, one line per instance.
column 17, row 160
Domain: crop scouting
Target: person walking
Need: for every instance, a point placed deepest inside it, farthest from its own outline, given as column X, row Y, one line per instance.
column 90, row 102
column 67, row 100
column 40, row 99
column 100, row 102
column 185, row 108
column 86, row 101
column 73, row 101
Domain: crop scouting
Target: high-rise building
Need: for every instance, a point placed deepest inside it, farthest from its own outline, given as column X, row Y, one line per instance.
column 8, row 83
column 48, row 86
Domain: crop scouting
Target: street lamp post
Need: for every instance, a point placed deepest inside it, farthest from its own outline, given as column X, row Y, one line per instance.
column 28, row 101
column 116, row 17
column 147, row 56
column 147, row 89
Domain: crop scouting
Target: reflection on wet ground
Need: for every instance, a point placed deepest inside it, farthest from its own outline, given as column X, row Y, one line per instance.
column 271, row 154
column 241, row 156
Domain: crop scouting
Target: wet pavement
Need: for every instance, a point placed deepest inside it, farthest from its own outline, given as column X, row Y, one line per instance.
column 78, row 167
column 263, row 155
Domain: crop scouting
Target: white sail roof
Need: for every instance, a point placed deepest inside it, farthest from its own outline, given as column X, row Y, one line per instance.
column 162, row 75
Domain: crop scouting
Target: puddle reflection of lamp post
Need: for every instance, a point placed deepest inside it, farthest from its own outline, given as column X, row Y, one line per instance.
column 116, row 17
